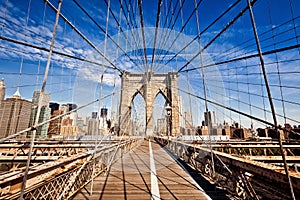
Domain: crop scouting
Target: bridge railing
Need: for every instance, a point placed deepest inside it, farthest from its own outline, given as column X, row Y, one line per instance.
column 63, row 178
column 240, row 176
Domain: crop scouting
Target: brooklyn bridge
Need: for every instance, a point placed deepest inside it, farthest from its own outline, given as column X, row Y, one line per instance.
column 163, row 99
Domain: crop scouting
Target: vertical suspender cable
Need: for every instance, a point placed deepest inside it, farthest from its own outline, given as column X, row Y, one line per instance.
column 294, row 24
column 140, row 5
column 39, row 64
column 166, row 34
column 187, row 74
column 155, row 35
column 218, row 34
column 40, row 102
column 203, row 31
column 270, row 97
column 204, row 88
column 162, row 30
column 143, row 36
column 183, row 24
column 22, row 58
column 237, row 85
column 277, row 65
column 100, row 96
column 114, row 117
column 131, row 10
column 181, row 3
column 130, row 28
column 106, row 34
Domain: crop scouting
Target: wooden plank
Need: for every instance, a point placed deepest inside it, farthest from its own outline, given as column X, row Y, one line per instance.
column 130, row 178
column 174, row 182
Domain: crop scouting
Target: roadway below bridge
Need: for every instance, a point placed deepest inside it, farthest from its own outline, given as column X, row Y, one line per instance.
column 146, row 172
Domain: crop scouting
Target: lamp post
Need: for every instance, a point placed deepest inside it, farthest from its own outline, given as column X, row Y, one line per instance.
column 169, row 114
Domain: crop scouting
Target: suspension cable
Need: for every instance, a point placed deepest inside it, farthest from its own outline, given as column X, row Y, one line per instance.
column 104, row 31
column 155, row 35
column 183, row 26
column 217, row 36
column 172, row 27
column 270, row 98
column 40, row 103
column 204, row 30
column 246, row 57
column 84, row 37
column 53, row 51
column 143, row 36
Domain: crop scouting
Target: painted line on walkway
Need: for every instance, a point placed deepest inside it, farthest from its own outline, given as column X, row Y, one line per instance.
column 196, row 184
column 154, row 183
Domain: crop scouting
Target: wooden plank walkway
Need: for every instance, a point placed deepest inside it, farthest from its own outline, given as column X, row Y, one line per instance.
column 146, row 172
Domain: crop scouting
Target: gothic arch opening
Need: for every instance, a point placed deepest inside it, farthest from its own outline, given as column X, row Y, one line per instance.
column 159, row 116
column 137, row 122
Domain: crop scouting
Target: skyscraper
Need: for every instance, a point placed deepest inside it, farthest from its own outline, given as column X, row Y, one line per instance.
column 55, row 125
column 67, row 127
column 41, row 131
column 93, row 124
column 210, row 119
column 14, row 115
column 103, row 118
column 94, row 115
column 72, row 106
column 2, row 90
column 54, row 106
column 189, row 129
column 36, row 97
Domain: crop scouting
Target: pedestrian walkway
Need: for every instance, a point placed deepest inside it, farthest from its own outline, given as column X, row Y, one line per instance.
column 146, row 172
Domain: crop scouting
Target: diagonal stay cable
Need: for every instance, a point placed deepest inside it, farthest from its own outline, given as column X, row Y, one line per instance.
column 252, row 94
column 168, row 12
column 246, row 57
column 133, row 21
column 163, row 35
column 132, row 8
column 129, row 23
column 120, row 27
column 217, row 36
column 262, row 64
column 84, row 37
column 167, row 35
column 235, row 49
column 166, row 39
column 143, row 35
column 204, row 30
column 280, row 31
column 182, row 28
column 228, row 108
column 98, row 25
column 212, row 152
column 155, row 35
column 118, row 21
column 237, row 111
column 54, row 52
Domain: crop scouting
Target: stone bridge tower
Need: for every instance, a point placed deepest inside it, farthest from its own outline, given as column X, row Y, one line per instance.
column 149, row 87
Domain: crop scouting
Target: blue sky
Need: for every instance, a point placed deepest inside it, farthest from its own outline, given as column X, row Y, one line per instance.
column 236, row 84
